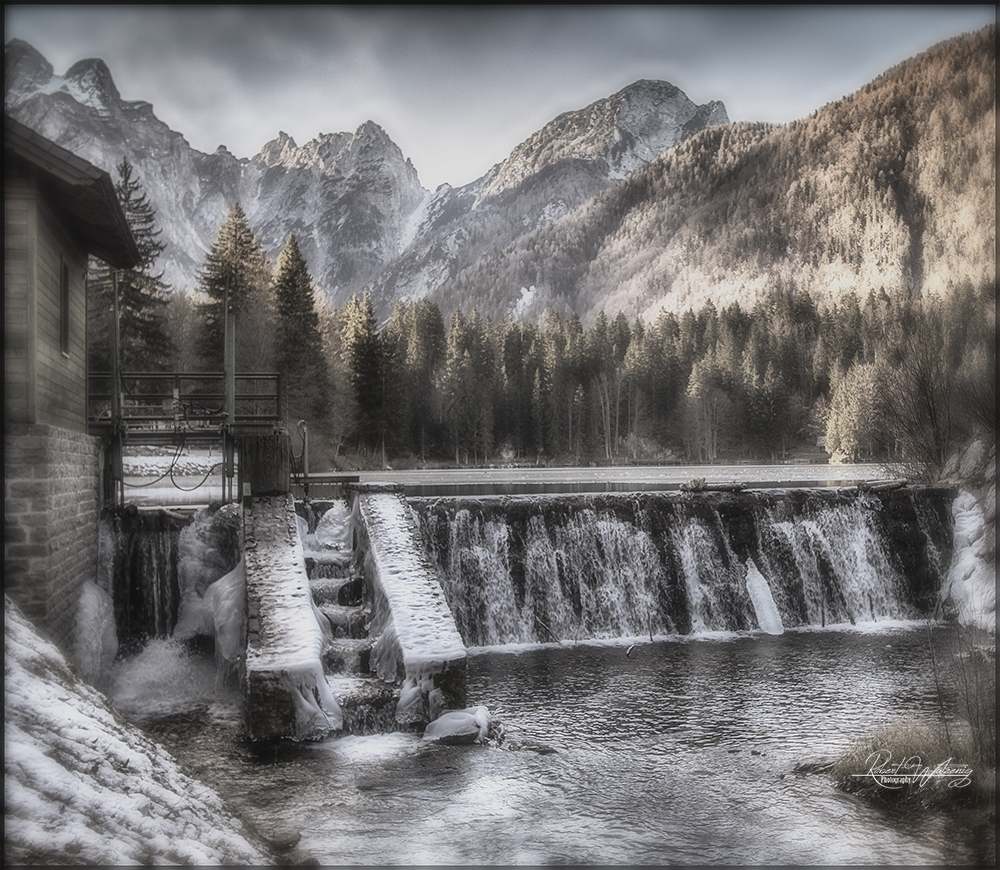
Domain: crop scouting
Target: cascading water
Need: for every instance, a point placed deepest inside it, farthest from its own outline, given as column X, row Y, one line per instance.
column 529, row 570
column 139, row 566
column 156, row 565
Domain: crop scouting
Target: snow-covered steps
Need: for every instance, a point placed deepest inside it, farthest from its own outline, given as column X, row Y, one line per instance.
column 415, row 637
column 285, row 690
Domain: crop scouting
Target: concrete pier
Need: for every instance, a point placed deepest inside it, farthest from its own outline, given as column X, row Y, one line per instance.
column 418, row 641
column 284, row 686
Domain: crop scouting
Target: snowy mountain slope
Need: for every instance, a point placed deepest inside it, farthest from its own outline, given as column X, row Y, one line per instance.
column 891, row 189
column 347, row 196
column 639, row 201
column 352, row 199
column 626, row 130
column 565, row 164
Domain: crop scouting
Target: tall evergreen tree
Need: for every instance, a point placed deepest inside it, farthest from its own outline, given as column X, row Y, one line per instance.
column 142, row 295
column 237, row 261
column 363, row 354
column 416, row 332
column 298, row 341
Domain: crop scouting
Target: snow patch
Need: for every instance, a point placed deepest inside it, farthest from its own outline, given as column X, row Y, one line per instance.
column 81, row 786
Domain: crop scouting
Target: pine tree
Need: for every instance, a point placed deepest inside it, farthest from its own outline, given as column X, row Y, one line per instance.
column 237, row 261
column 363, row 355
column 298, row 341
column 142, row 295
column 416, row 333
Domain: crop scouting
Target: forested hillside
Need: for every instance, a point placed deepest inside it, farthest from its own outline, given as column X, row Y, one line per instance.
column 893, row 187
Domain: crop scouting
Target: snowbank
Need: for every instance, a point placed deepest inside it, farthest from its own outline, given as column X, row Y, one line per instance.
column 971, row 583
column 81, row 786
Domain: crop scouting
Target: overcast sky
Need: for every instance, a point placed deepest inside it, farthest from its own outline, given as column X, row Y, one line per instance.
column 458, row 87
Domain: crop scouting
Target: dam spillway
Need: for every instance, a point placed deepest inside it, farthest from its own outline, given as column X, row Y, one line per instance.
column 544, row 569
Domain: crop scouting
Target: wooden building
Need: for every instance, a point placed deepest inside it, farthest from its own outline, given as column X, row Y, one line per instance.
column 58, row 209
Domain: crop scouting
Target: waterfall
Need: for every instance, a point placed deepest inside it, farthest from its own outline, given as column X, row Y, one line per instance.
column 156, row 565
column 539, row 569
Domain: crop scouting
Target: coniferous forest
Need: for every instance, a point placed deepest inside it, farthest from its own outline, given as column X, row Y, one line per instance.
column 892, row 376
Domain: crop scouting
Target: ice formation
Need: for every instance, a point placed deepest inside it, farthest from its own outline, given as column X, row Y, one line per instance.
column 971, row 582
column 768, row 617
column 470, row 725
column 226, row 600
column 207, row 550
column 95, row 638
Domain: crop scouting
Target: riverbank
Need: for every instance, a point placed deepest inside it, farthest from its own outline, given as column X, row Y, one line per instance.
column 83, row 786
column 949, row 768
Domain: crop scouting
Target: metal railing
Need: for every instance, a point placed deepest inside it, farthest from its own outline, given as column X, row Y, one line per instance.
column 321, row 487
column 193, row 403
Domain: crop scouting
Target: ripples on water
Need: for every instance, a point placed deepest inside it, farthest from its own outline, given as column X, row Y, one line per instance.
column 680, row 752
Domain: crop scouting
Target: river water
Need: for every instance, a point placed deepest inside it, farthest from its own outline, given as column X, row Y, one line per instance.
column 679, row 751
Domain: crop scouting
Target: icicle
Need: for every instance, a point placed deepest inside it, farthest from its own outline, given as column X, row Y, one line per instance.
column 95, row 639
column 226, row 600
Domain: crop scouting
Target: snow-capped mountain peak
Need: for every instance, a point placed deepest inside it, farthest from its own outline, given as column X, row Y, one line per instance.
column 626, row 130
column 353, row 200
column 89, row 82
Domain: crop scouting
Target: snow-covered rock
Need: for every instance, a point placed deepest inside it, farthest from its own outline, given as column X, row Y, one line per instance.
column 470, row 725
column 82, row 786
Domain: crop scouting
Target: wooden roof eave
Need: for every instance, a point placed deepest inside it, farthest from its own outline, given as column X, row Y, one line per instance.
column 82, row 194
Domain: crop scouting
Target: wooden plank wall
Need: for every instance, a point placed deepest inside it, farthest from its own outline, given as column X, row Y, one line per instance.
column 42, row 384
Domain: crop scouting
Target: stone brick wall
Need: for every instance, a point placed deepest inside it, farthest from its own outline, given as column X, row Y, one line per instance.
column 51, row 512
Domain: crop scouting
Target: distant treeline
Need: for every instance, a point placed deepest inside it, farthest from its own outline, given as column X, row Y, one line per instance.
column 892, row 377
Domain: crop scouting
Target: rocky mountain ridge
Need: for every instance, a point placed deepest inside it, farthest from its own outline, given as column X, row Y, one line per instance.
column 353, row 200
column 638, row 202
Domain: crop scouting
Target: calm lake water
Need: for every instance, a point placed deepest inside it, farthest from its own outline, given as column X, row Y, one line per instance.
column 681, row 752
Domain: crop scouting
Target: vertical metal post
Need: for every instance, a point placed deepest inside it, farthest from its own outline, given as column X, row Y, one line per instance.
column 229, row 370
column 304, row 432
column 117, row 419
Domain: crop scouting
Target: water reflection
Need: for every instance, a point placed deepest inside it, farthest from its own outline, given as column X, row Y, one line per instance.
column 680, row 752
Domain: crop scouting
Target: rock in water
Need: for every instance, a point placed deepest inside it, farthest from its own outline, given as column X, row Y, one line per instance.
column 457, row 727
